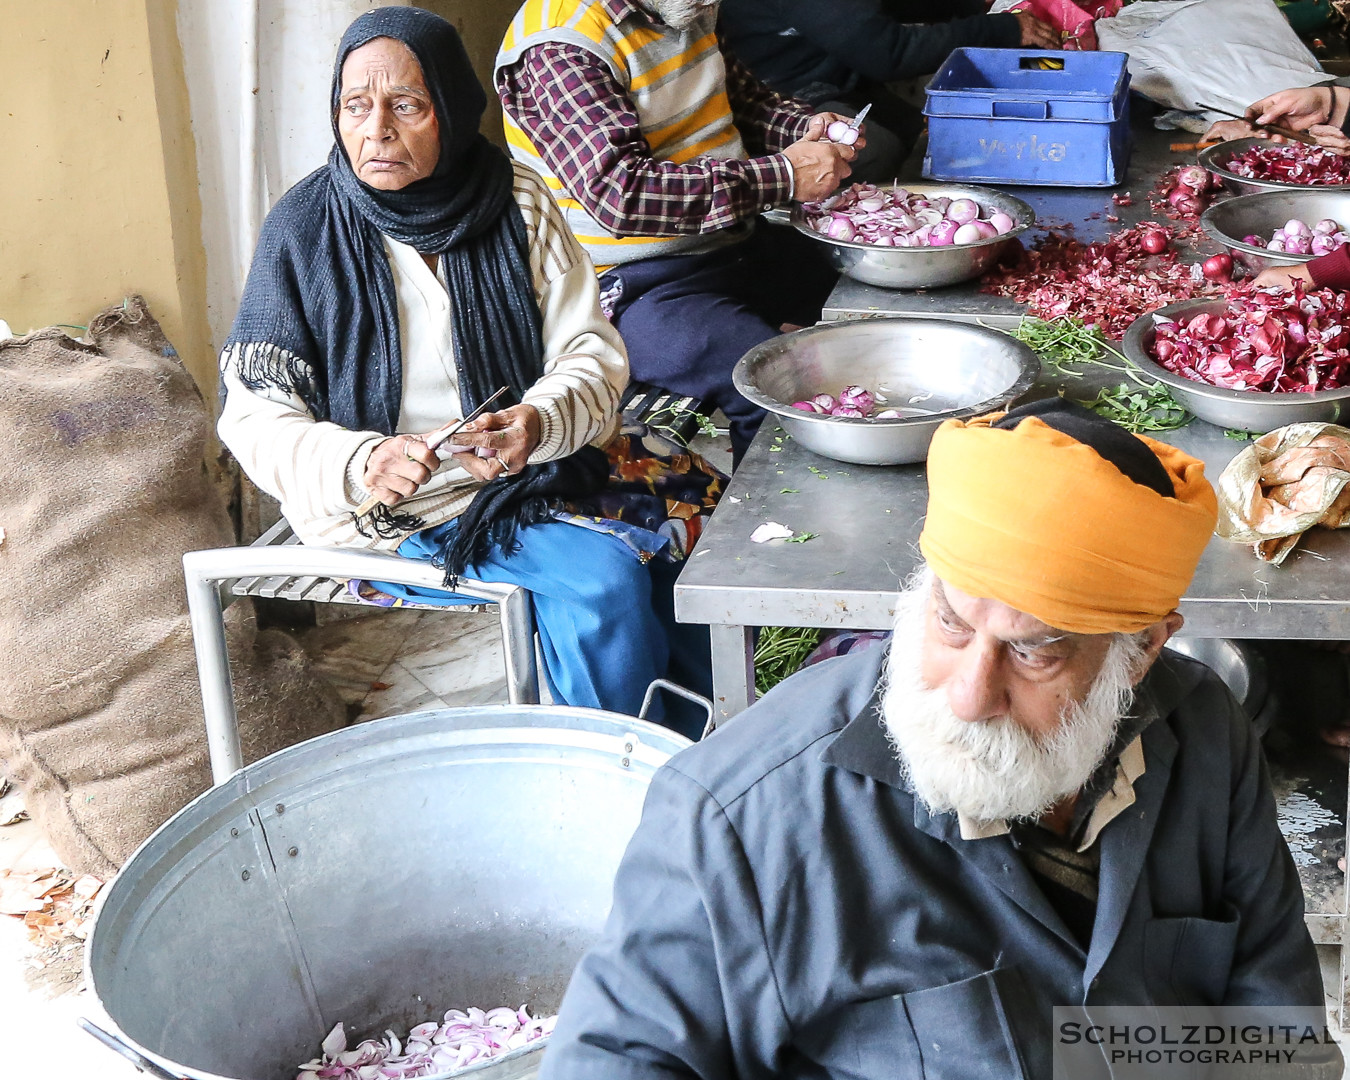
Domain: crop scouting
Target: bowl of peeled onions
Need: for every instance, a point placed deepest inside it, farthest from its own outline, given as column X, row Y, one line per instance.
column 918, row 237
column 873, row 391
column 1280, row 228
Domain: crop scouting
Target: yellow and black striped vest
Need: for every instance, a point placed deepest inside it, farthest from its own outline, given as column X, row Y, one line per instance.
column 676, row 81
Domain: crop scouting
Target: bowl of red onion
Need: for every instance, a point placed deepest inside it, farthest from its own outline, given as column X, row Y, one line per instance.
column 1251, row 165
column 918, row 237
column 1280, row 228
column 872, row 392
column 1254, row 361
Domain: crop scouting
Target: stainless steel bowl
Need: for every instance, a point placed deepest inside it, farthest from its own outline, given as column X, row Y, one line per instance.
column 1261, row 214
column 1212, row 157
column 1246, row 410
column 432, row 860
column 1241, row 667
column 925, row 267
column 937, row 368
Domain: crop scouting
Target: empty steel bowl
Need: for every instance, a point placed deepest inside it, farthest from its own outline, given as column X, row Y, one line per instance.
column 931, row 369
column 1245, row 410
column 1215, row 159
column 925, row 267
column 1261, row 214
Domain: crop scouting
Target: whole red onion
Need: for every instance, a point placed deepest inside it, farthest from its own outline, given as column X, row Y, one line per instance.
column 1154, row 241
column 1218, row 267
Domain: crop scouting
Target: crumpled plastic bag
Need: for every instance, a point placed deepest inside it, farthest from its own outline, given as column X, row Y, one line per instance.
column 1075, row 25
column 1286, row 482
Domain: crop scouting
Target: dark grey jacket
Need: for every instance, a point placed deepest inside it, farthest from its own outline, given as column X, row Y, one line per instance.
column 788, row 909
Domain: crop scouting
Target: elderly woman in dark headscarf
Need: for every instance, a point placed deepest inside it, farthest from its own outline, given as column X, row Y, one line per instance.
column 397, row 288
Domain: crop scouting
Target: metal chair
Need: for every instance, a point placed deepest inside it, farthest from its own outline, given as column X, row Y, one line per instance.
column 277, row 565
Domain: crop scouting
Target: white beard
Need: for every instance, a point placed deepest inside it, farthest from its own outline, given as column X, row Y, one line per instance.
column 994, row 769
column 683, row 14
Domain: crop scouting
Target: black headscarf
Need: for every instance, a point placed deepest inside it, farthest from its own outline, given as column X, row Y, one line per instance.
column 319, row 314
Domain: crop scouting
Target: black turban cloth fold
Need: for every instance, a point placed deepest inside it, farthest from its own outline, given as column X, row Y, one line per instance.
column 319, row 314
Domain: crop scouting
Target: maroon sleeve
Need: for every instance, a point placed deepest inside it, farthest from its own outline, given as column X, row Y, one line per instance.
column 1331, row 271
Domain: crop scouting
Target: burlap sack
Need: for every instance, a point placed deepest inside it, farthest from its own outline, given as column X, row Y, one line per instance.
column 105, row 489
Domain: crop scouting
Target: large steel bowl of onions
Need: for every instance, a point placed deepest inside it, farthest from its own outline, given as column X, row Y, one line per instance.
column 924, row 371
column 1280, row 228
column 1214, row 349
column 917, row 237
column 1275, row 166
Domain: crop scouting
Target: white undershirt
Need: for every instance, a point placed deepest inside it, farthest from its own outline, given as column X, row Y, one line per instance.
column 430, row 387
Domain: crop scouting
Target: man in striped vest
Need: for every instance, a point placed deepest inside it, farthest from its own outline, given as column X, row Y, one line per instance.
column 662, row 151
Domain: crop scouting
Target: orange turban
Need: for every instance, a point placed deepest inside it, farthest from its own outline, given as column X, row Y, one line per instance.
column 1040, row 521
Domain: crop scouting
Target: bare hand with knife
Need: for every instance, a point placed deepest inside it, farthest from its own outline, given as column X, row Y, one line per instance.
column 513, row 433
column 401, row 464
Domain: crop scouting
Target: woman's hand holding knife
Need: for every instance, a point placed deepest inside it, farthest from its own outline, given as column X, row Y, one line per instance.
column 401, row 464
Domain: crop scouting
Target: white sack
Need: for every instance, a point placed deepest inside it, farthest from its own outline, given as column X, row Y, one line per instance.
column 1224, row 53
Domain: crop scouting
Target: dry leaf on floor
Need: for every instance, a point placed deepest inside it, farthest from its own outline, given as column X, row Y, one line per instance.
column 12, row 808
column 381, row 686
column 54, row 904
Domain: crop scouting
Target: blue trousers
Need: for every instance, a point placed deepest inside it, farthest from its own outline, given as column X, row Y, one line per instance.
column 606, row 622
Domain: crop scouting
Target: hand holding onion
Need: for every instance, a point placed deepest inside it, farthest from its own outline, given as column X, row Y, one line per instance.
column 818, row 166
column 511, row 435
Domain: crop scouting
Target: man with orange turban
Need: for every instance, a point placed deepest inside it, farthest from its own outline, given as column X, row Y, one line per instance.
column 898, row 865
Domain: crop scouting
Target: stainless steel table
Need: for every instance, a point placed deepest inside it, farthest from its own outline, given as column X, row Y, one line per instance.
column 1086, row 209
column 867, row 522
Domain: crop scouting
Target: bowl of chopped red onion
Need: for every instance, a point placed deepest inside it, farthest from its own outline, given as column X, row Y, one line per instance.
column 1280, row 228
column 919, row 237
column 872, row 392
column 1251, row 165
column 402, row 898
column 1254, row 361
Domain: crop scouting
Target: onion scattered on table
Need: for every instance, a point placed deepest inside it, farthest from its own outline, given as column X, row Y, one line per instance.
column 1107, row 284
column 893, row 217
column 461, row 1039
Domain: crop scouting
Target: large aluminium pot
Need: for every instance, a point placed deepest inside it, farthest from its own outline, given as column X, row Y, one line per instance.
column 376, row 876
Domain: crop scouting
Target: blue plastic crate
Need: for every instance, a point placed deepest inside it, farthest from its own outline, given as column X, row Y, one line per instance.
column 996, row 116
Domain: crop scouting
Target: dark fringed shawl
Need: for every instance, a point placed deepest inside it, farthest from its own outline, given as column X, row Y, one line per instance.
column 319, row 314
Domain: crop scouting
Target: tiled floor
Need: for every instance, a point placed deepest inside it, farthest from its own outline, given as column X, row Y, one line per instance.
column 383, row 663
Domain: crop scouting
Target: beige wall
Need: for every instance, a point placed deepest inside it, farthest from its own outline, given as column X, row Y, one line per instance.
column 98, row 187
column 482, row 24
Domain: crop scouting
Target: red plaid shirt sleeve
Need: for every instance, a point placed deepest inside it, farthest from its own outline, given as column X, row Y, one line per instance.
column 584, row 126
column 768, row 121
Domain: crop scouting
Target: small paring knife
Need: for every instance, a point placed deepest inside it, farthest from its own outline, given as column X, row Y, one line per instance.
column 433, row 440
column 1288, row 133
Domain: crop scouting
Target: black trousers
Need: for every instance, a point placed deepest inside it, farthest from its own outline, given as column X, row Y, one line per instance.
column 687, row 319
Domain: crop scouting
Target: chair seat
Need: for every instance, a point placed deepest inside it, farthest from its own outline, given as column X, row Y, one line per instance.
column 319, row 590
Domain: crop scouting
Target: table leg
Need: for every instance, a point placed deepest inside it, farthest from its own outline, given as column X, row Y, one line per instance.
column 733, row 670
column 1343, row 998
